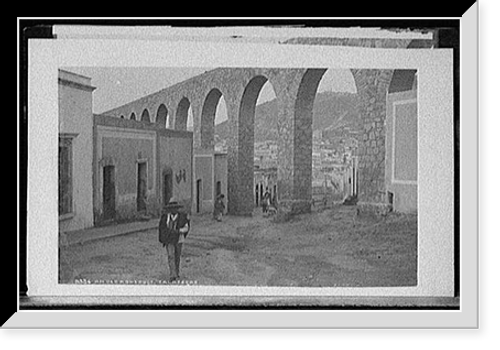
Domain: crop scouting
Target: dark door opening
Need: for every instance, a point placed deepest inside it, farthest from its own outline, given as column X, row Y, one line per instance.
column 218, row 189
column 198, row 195
column 167, row 187
column 141, row 186
column 257, row 195
column 108, row 192
column 354, row 180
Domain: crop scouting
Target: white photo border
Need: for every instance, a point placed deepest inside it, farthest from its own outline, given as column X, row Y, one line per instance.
column 435, row 203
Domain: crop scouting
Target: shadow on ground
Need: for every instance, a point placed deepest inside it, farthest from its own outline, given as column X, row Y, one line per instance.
column 329, row 248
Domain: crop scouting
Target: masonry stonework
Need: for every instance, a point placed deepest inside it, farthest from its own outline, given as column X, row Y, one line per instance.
column 372, row 85
column 295, row 90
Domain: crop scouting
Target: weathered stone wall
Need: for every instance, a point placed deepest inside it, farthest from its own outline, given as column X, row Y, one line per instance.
column 372, row 85
column 295, row 90
column 372, row 88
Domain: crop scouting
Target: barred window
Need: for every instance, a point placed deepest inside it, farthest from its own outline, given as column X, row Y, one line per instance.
column 65, row 175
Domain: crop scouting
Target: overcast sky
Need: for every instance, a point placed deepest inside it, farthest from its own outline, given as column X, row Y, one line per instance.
column 116, row 86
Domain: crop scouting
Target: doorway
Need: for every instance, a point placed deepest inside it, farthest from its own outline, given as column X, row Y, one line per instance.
column 261, row 192
column 218, row 189
column 198, row 195
column 167, row 187
column 354, row 177
column 108, row 192
column 141, row 186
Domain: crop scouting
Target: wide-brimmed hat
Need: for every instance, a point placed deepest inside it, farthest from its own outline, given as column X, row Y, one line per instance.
column 173, row 204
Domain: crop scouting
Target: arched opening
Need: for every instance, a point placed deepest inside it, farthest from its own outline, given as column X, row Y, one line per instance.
column 190, row 120
column 161, row 116
column 221, row 126
column 132, row 116
column 251, row 119
column 214, row 112
column 336, row 124
column 181, row 115
column 145, row 116
column 266, row 143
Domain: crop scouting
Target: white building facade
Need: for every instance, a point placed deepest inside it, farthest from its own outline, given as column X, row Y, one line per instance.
column 75, row 151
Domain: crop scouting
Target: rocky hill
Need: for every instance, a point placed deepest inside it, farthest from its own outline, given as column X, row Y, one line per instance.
column 331, row 111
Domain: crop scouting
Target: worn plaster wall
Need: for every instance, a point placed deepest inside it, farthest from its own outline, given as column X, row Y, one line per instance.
column 123, row 144
column 125, row 148
column 175, row 153
column 402, row 150
column 221, row 172
column 203, row 173
column 75, row 121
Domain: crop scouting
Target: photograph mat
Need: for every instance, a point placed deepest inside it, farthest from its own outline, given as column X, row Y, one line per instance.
column 435, row 89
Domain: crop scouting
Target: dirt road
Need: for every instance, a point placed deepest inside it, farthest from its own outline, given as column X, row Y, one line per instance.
column 334, row 247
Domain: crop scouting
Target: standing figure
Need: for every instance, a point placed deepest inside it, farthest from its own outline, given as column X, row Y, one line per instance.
column 219, row 207
column 173, row 229
column 266, row 201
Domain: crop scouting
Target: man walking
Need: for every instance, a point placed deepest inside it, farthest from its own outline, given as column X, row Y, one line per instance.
column 173, row 229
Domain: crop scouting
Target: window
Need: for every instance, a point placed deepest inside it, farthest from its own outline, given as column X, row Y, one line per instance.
column 65, row 175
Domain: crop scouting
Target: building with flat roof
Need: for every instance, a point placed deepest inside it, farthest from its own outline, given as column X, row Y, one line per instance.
column 113, row 169
column 138, row 168
column 75, row 151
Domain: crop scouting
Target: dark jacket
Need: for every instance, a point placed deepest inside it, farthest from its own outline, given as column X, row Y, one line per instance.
column 169, row 230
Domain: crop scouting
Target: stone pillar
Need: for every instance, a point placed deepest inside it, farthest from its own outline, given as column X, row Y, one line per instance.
column 286, row 195
column 295, row 140
column 240, row 147
column 372, row 86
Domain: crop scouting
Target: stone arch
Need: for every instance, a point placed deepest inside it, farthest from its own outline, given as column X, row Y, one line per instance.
column 309, row 89
column 161, row 115
column 306, row 94
column 145, row 116
column 181, row 114
column 132, row 116
column 208, row 118
column 249, row 98
column 295, row 193
column 240, row 171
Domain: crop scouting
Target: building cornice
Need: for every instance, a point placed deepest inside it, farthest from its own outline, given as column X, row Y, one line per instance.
column 76, row 85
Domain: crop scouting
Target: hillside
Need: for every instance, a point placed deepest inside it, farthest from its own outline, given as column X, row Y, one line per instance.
column 331, row 110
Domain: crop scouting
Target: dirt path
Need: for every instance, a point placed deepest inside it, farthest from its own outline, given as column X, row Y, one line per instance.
column 330, row 248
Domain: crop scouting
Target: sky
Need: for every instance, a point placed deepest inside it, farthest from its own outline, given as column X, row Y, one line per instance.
column 116, row 86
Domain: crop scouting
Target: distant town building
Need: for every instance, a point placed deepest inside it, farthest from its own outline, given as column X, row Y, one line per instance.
column 265, row 179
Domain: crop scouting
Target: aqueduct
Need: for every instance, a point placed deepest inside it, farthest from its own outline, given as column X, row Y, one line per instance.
column 295, row 90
